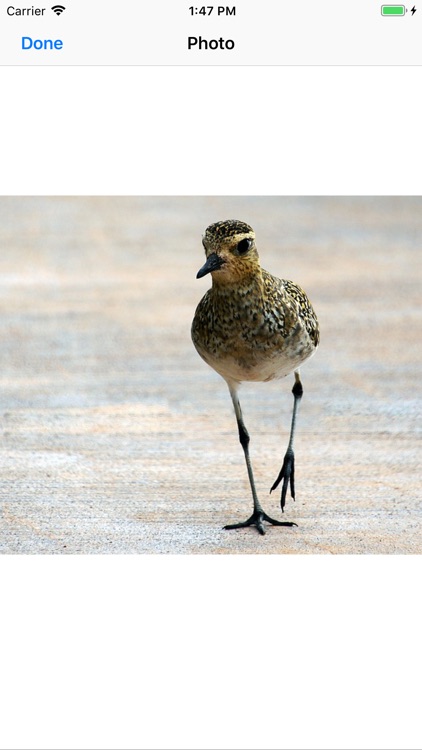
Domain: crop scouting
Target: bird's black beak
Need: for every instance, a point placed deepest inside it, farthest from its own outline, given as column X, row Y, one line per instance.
column 213, row 263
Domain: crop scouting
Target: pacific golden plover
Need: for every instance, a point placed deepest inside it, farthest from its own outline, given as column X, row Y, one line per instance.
column 252, row 326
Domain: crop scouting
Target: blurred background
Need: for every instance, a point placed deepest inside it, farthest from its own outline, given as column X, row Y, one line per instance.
column 117, row 438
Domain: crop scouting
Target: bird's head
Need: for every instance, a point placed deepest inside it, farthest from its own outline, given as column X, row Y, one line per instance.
column 230, row 251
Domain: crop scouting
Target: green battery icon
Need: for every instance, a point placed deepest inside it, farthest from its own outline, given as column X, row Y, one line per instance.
column 393, row 10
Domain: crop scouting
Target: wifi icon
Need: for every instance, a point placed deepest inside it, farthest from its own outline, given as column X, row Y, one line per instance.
column 58, row 9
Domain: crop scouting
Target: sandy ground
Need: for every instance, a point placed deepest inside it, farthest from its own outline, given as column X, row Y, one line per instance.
column 117, row 438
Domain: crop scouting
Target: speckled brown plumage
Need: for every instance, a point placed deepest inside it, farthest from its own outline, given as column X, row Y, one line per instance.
column 252, row 326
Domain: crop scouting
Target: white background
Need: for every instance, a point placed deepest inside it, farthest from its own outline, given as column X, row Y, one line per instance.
column 184, row 652
column 240, row 130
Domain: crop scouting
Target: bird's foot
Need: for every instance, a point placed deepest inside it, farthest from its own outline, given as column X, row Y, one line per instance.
column 257, row 519
column 287, row 474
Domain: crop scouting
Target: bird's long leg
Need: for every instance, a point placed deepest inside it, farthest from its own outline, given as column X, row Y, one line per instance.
column 258, row 516
column 287, row 471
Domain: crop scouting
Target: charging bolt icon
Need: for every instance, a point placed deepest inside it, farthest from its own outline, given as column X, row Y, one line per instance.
column 396, row 10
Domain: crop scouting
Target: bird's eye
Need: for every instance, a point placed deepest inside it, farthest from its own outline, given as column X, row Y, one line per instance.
column 244, row 246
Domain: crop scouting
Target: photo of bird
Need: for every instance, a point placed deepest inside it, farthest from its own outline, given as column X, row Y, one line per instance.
column 252, row 326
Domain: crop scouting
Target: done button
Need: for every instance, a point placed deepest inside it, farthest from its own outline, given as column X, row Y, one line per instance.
column 29, row 43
